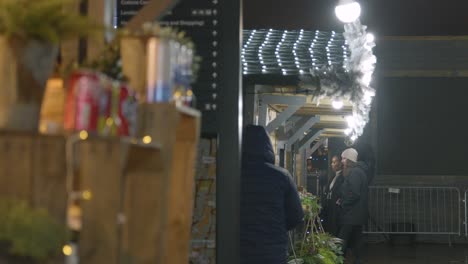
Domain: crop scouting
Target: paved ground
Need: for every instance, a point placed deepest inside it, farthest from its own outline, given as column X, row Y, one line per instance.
column 417, row 254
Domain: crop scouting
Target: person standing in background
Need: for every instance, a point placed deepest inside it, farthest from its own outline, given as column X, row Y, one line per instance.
column 353, row 203
column 331, row 210
column 270, row 204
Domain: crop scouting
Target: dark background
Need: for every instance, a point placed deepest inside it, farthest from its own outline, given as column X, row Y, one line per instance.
column 422, row 126
column 385, row 17
column 421, row 122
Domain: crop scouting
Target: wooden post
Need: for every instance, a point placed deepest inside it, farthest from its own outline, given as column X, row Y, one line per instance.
column 177, row 129
column 144, row 184
column 48, row 176
column 101, row 178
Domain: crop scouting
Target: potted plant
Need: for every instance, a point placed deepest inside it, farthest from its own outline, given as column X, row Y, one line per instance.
column 313, row 245
column 27, row 235
column 30, row 31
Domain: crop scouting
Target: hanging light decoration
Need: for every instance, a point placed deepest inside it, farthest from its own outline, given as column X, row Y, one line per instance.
column 337, row 104
column 348, row 11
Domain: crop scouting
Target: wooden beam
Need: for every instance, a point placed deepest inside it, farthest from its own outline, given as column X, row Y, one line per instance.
column 300, row 132
column 153, row 10
column 281, row 118
column 313, row 110
column 315, row 147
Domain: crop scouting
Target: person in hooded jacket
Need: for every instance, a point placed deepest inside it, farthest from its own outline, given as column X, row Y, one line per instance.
column 270, row 203
column 353, row 203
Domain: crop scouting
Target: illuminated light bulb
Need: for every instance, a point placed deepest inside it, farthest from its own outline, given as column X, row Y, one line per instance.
column 109, row 121
column 147, row 139
column 370, row 37
column 337, row 104
column 348, row 11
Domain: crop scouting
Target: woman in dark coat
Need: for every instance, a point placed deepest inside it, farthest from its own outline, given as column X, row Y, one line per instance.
column 270, row 204
column 331, row 210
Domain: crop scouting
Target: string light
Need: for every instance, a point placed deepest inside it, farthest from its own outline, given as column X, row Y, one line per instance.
column 83, row 135
column 147, row 139
column 87, row 195
column 67, row 250
column 291, row 52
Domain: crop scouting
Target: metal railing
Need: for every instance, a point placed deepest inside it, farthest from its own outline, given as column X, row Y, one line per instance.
column 415, row 210
column 465, row 207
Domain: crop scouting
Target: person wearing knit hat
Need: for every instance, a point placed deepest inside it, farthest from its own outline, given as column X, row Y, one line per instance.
column 350, row 154
column 353, row 203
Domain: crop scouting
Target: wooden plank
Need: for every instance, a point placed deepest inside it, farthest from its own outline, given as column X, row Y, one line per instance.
column 181, row 185
column 143, row 206
column 101, row 176
column 15, row 166
column 48, row 176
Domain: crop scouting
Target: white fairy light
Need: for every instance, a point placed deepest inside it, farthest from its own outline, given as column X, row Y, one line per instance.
column 348, row 131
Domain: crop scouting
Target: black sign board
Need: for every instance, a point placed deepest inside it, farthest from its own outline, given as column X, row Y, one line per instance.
column 199, row 20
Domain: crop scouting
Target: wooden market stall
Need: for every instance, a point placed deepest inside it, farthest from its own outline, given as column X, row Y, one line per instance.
column 130, row 198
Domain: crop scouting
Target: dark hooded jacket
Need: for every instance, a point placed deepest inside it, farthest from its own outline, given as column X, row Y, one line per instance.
column 354, row 193
column 270, row 204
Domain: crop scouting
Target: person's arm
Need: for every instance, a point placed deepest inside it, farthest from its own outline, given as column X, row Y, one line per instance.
column 353, row 189
column 293, row 206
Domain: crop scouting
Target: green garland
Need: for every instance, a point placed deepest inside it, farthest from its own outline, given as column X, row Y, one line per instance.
column 43, row 20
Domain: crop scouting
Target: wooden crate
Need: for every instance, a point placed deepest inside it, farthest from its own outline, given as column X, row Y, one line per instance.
column 32, row 168
column 177, row 129
column 142, row 197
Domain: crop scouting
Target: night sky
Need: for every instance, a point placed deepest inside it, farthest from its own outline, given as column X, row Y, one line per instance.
column 384, row 17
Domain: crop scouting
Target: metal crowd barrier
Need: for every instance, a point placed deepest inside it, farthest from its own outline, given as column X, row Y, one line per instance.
column 465, row 207
column 415, row 210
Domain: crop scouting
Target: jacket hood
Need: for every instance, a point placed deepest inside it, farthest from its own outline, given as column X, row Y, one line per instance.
column 257, row 146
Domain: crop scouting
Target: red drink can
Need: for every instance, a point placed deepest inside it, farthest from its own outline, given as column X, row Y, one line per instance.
column 82, row 106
